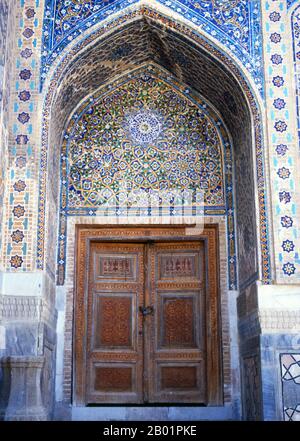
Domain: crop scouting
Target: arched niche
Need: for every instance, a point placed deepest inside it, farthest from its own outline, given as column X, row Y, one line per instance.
column 140, row 40
column 194, row 62
column 146, row 145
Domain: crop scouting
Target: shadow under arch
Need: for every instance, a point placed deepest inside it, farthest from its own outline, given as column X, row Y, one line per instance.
column 143, row 36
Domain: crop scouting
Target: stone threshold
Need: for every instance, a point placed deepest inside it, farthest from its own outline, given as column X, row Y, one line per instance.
column 153, row 413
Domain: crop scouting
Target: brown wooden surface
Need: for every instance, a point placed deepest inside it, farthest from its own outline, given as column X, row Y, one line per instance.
column 114, row 361
column 176, row 358
column 171, row 355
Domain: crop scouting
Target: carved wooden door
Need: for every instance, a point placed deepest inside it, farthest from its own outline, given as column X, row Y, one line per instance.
column 176, row 359
column 146, row 323
column 115, row 340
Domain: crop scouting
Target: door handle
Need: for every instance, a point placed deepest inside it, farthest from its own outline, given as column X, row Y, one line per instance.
column 146, row 310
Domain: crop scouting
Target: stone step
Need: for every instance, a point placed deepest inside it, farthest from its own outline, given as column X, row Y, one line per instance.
column 174, row 413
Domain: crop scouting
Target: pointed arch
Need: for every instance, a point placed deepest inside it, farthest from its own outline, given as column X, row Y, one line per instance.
column 170, row 162
column 220, row 70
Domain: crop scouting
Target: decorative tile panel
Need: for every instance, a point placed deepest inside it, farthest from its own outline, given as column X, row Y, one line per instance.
column 3, row 124
column 166, row 156
column 282, row 140
column 3, row 35
column 145, row 135
column 24, row 142
column 223, row 58
column 236, row 24
column 295, row 22
column 290, row 377
column 20, row 198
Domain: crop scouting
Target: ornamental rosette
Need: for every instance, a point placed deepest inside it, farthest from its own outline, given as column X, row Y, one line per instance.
column 289, row 269
column 16, row 261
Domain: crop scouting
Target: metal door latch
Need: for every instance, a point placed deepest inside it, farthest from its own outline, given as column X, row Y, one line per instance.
column 146, row 310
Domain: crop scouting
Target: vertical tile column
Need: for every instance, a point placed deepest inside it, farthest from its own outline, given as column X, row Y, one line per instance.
column 21, row 181
column 278, row 303
column 282, row 140
column 29, row 331
column 7, row 28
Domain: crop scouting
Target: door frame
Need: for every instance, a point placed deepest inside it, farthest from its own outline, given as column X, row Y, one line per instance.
column 86, row 234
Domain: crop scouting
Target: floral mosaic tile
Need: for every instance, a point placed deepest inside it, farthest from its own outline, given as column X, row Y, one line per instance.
column 166, row 144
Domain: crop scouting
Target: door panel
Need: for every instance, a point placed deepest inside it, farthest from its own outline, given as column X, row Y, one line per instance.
column 179, row 378
column 178, row 266
column 168, row 353
column 114, row 344
column 114, row 378
column 146, row 323
column 114, row 320
column 176, row 347
column 177, row 321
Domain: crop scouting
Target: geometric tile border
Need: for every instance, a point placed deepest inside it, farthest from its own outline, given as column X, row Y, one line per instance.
column 290, row 378
column 20, row 195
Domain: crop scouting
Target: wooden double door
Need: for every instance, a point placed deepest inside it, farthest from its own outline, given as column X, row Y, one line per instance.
column 141, row 331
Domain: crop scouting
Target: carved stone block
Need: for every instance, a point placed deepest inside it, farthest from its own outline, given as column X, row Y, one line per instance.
column 24, row 400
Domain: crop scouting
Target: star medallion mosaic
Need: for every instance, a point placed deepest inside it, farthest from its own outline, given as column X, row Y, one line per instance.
column 144, row 146
column 144, row 127
column 147, row 135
